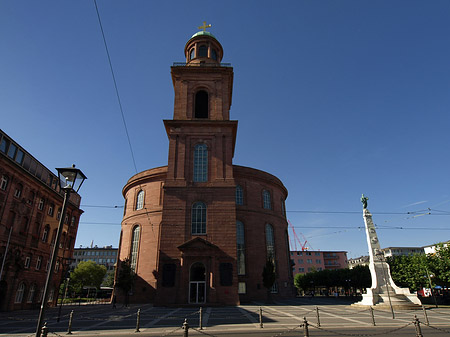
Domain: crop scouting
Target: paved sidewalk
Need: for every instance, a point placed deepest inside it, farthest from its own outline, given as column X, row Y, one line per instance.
column 325, row 316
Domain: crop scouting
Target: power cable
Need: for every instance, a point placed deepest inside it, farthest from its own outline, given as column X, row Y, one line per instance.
column 115, row 86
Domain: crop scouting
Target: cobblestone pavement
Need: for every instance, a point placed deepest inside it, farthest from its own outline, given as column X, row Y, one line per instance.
column 325, row 317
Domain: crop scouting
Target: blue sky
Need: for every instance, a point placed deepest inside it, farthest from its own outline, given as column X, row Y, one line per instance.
column 336, row 98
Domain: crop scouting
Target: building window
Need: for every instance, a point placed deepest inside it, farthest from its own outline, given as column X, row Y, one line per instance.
column 301, row 270
column 4, row 144
column 300, row 261
column 198, row 223
column 134, row 247
column 38, row 262
column 19, row 157
column 213, row 54
column 226, row 274
column 242, row 288
column 4, row 183
column 283, row 207
column 201, row 163
column 318, row 261
column 140, row 200
column 192, row 54
column 45, row 233
column 266, row 200
column 270, row 243
column 31, row 293
column 201, row 104
column 203, row 51
column 309, row 261
column 274, row 289
column 12, row 151
column 239, row 195
column 19, row 293
column 51, row 209
column 41, row 204
column 18, row 191
column 240, row 244
column 27, row 262
column 73, row 220
column 58, row 215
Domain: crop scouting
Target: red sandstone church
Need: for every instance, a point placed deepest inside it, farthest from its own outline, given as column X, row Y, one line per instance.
column 199, row 230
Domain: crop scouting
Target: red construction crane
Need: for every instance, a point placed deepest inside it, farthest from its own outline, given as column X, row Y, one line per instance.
column 296, row 239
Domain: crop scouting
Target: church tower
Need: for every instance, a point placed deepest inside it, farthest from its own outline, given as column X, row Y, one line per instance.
column 198, row 229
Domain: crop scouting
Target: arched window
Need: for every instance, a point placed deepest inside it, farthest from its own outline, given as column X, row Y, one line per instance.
column 134, row 247
column 19, row 293
column 200, row 163
column 266, row 200
column 240, row 244
column 270, row 243
column 203, row 51
column 192, row 54
column 31, row 293
column 140, row 200
column 198, row 223
column 201, row 104
column 239, row 195
column 213, row 54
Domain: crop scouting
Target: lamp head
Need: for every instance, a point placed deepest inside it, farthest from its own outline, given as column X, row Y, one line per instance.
column 71, row 178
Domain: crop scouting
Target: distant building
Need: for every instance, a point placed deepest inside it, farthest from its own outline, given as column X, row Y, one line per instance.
column 399, row 251
column 358, row 261
column 307, row 261
column 105, row 256
column 431, row 249
column 30, row 209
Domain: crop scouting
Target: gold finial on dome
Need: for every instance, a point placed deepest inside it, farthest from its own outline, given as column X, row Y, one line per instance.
column 204, row 26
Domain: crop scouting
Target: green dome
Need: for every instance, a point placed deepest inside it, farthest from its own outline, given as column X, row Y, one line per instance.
column 202, row 33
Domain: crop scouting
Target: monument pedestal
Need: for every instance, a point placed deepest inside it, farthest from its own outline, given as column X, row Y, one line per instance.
column 383, row 292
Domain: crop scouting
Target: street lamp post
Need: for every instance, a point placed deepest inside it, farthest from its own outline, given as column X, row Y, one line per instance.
column 70, row 179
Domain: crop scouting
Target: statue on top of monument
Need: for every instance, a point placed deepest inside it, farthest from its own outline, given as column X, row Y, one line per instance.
column 364, row 201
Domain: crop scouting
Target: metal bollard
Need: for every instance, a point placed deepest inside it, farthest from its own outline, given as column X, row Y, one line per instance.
column 417, row 326
column 318, row 317
column 186, row 328
column 138, row 320
column 44, row 331
column 69, row 329
column 200, row 318
column 260, row 318
column 426, row 316
column 373, row 317
column 305, row 327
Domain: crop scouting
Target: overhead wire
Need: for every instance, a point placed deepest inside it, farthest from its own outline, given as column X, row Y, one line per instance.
column 115, row 86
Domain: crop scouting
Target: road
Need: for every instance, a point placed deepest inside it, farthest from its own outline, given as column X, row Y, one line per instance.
column 286, row 318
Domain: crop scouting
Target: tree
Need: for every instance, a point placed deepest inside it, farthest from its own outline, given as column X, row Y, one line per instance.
column 87, row 274
column 125, row 278
column 269, row 276
column 109, row 279
column 439, row 265
column 409, row 271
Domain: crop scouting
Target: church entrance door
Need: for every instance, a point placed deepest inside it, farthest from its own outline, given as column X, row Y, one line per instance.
column 197, row 283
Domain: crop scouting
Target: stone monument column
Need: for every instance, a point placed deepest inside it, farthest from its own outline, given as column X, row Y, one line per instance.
column 383, row 292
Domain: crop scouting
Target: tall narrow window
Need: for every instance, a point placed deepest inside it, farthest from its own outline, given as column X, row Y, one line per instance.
column 19, row 293
column 18, row 191
column 203, row 51
column 4, row 182
column 239, row 195
column 200, row 163
column 31, row 293
column 140, row 200
column 240, row 244
column 201, row 104
column 198, row 224
column 134, row 247
column 45, row 233
column 266, row 200
column 270, row 243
